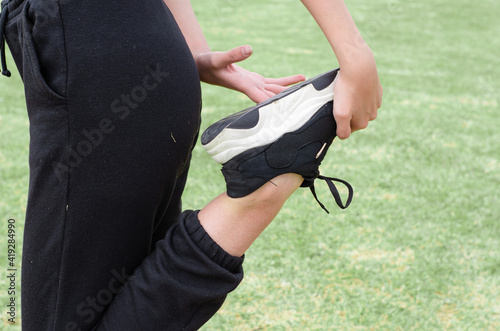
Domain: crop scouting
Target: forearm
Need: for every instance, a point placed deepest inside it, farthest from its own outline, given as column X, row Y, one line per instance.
column 358, row 93
column 336, row 22
column 186, row 19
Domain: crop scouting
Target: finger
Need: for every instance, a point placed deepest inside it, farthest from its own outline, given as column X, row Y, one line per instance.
column 359, row 124
column 343, row 128
column 285, row 81
column 343, row 120
column 380, row 95
column 255, row 94
column 275, row 89
column 223, row 59
column 258, row 95
column 341, row 112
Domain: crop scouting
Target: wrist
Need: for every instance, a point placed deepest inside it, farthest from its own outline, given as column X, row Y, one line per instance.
column 350, row 48
column 357, row 57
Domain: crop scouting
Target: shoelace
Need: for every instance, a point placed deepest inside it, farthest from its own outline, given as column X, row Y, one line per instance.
column 334, row 191
column 3, row 22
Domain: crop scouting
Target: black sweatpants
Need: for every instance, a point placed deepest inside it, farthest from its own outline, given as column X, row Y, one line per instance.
column 113, row 99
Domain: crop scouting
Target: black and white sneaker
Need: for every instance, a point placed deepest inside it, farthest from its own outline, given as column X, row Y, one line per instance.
column 288, row 133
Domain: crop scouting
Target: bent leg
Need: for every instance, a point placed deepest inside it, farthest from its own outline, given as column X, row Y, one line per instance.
column 179, row 286
column 236, row 223
column 188, row 276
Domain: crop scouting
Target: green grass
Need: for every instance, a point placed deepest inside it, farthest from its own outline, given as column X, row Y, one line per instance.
column 419, row 247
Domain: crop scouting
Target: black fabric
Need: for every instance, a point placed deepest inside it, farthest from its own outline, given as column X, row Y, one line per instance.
column 113, row 99
column 178, row 285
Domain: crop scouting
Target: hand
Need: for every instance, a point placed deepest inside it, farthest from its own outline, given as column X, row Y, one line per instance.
column 358, row 94
column 219, row 68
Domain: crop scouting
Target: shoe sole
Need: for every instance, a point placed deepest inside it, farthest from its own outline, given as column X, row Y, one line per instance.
column 268, row 121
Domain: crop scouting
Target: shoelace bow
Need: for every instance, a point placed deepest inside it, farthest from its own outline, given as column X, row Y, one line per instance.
column 3, row 22
column 334, row 191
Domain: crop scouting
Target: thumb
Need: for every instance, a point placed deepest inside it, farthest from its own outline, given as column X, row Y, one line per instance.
column 342, row 110
column 342, row 119
column 237, row 54
column 343, row 127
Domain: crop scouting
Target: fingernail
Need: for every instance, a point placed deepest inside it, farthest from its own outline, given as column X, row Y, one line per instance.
column 247, row 50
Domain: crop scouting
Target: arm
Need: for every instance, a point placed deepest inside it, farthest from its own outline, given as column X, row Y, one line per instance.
column 187, row 22
column 358, row 93
column 218, row 68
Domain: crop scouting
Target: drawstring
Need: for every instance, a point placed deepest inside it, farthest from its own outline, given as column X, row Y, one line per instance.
column 335, row 192
column 3, row 22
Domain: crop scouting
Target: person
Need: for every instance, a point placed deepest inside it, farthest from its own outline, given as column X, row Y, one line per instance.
column 113, row 98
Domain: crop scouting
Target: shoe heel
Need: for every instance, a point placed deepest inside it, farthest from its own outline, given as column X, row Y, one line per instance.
column 238, row 185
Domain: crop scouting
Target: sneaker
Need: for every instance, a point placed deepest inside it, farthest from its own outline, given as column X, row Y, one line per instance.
column 288, row 133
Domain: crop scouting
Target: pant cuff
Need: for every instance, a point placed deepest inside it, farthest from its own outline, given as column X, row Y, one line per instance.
column 206, row 244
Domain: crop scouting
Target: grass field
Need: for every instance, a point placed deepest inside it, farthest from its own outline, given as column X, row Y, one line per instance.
column 419, row 248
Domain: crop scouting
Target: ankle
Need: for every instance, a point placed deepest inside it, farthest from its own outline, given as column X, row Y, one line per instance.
column 235, row 223
column 273, row 193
